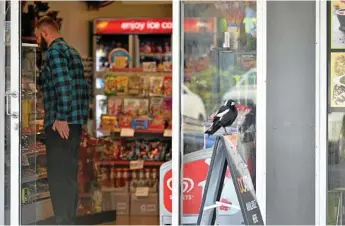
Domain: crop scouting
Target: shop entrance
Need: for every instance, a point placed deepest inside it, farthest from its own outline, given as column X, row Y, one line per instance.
column 125, row 167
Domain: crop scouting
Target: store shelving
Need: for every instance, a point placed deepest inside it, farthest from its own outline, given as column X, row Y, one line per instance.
column 127, row 163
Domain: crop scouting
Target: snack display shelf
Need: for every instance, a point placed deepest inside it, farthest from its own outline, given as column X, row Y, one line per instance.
column 34, row 153
column 32, row 198
column 133, row 111
column 100, row 74
column 31, row 134
column 127, row 163
column 156, row 54
column 31, row 178
column 42, row 195
column 128, row 133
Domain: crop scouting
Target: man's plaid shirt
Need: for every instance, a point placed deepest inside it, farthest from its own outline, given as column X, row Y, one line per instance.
column 66, row 93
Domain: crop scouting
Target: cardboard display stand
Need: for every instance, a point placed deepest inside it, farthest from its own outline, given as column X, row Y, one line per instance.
column 224, row 155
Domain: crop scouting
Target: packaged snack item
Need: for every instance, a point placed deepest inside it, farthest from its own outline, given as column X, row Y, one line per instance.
column 140, row 124
column 167, row 66
column 134, row 85
column 109, row 122
column 155, row 148
column 156, row 86
column 149, row 66
column 116, row 147
column 131, row 106
column 167, row 86
column 143, row 107
column 121, row 85
column 125, row 121
column 167, row 108
column 156, row 106
column 114, row 105
column 110, row 84
column 163, row 151
column 144, row 86
column 136, row 107
column 157, row 122
column 143, row 150
column 129, row 151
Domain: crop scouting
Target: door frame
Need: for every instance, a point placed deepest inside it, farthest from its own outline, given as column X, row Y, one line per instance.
column 2, row 111
column 15, row 86
column 321, row 114
column 177, row 72
column 261, row 114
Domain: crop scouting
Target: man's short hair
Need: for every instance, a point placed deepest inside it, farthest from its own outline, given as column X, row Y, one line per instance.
column 47, row 21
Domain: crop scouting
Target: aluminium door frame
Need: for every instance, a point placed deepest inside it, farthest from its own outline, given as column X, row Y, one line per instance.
column 177, row 72
column 321, row 114
column 261, row 105
column 15, row 107
column 177, row 55
column 2, row 111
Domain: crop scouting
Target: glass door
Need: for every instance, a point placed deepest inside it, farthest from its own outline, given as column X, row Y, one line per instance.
column 218, row 62
column 12, row 117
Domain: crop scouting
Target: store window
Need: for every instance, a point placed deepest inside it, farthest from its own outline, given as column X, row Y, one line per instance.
column 336, row 116
column 219, row 58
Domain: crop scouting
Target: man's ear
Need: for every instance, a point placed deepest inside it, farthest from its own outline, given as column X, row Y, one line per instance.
column 44, row 32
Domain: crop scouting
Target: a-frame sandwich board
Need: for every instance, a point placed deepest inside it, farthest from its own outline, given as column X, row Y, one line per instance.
column 224, row 155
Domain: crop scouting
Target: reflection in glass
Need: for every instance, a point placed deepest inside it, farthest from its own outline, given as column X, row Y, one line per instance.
column 336, row 115
column 220, row 64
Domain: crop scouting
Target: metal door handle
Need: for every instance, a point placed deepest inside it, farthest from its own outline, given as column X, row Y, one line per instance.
column 8, row 95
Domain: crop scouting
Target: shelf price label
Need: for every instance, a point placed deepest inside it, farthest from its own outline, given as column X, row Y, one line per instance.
column 142, row 192
column 167, row 133
column 127, row 132
column 135, row 165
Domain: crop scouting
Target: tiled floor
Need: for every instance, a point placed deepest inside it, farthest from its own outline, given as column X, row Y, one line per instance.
column 135, row 220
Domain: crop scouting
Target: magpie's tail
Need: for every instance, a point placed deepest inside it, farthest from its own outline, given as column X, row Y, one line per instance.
column 213, row 129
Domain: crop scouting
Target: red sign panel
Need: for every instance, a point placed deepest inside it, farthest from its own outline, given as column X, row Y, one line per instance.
column 149, row 26
column 193, row 187
column 134, row 26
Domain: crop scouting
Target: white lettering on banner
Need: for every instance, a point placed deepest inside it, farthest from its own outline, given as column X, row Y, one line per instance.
column 188, row 184
column 133, row 26
column 167, row 25
column 140, row 26
column 185, row 197
column 251, row 205
column 153, row 25
column 255, row 218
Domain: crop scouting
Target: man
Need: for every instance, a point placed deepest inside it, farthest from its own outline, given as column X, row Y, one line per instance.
column 66, row 101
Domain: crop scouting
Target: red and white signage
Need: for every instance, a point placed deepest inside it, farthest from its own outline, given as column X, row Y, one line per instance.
column 149, row 26
column 193, row 186
column 133, row 26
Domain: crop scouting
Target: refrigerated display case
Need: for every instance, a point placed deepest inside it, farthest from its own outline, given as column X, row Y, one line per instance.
column 35, row 199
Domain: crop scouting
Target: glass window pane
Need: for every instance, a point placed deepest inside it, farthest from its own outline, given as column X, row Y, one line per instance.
column 219, row 55
column 336, row 114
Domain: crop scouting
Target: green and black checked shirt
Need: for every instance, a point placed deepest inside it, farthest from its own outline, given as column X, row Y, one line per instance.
column 66, row 93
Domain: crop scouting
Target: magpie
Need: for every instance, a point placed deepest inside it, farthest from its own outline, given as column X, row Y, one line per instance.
column 224, row 117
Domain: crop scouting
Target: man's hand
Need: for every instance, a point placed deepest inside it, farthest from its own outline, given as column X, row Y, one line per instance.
column 62, row 128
